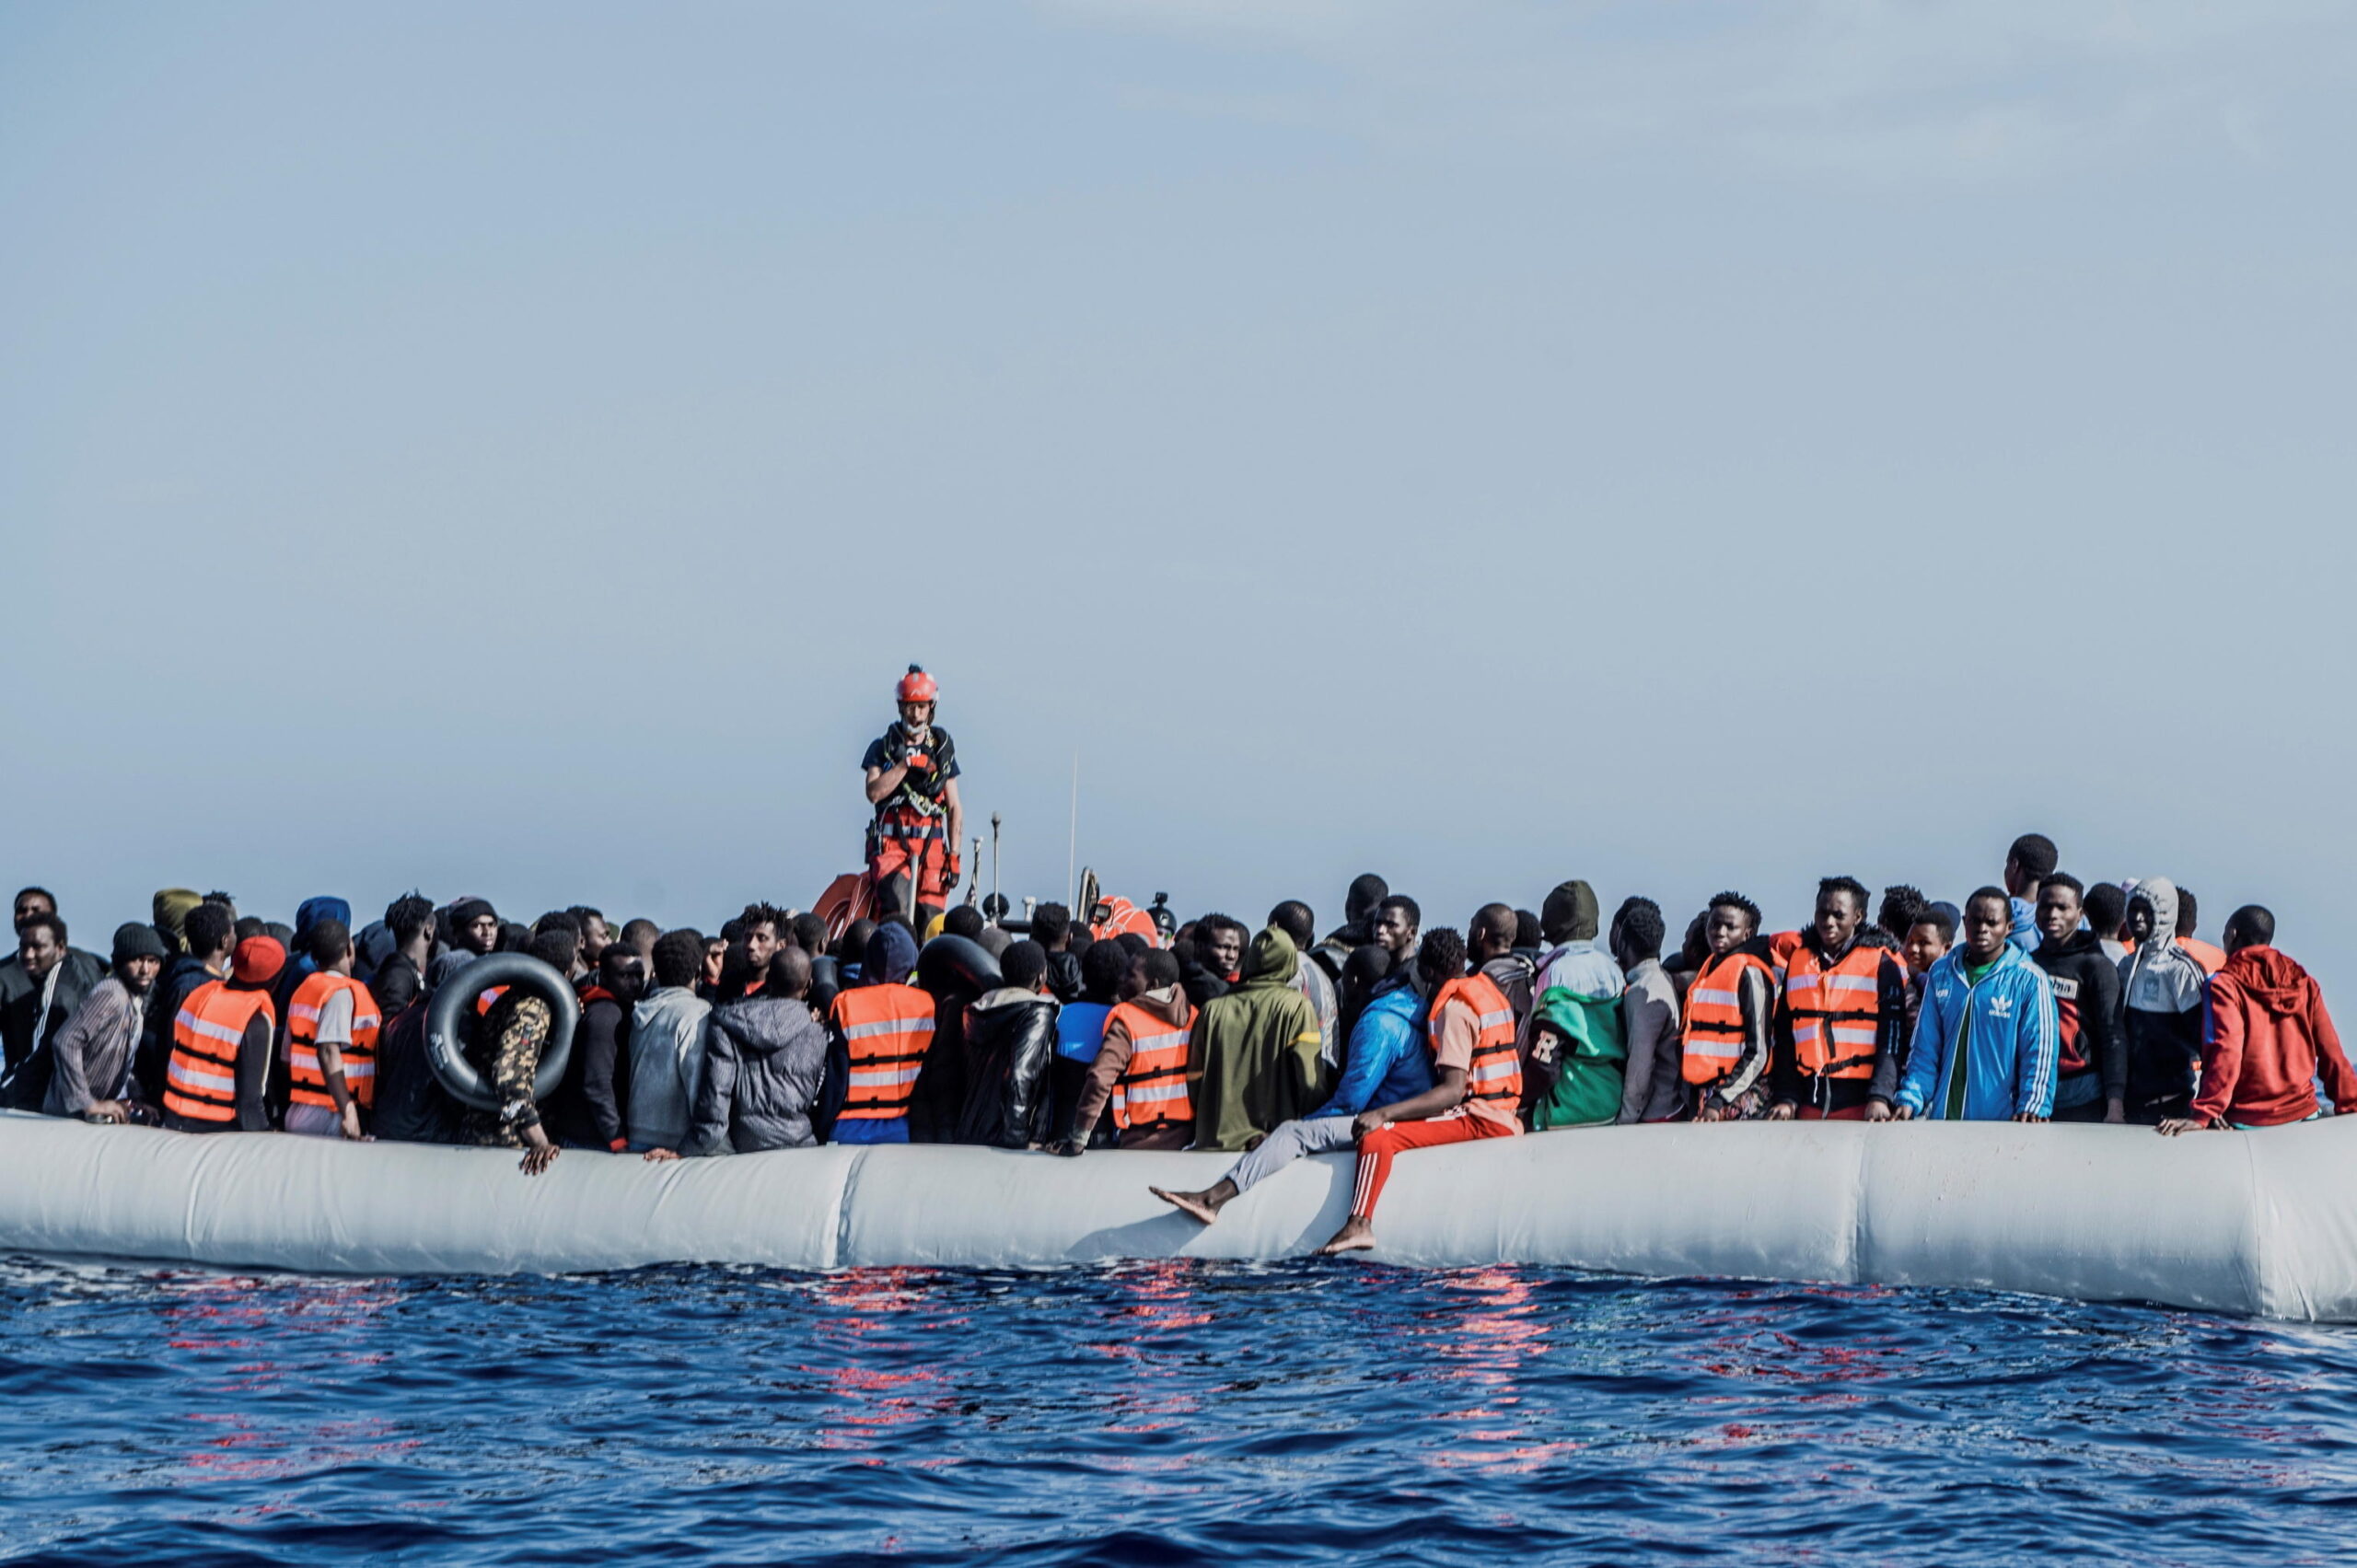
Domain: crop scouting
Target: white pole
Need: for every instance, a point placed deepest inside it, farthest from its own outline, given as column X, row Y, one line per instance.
column 1071, row 856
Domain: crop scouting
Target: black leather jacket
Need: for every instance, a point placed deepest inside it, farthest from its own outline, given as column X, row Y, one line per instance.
column 1010, row 1040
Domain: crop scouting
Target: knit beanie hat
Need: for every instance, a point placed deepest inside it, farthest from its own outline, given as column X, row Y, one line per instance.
column 137, row 941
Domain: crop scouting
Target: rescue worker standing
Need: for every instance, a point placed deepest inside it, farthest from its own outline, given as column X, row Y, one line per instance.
column 913, row 783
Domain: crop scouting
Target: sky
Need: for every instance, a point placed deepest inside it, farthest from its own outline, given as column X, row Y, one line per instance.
column 514, row 448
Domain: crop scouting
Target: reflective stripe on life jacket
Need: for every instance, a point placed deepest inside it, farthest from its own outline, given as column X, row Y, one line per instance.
column 310, row 1082
column 201, row 1081
column 1495, row 1075
column 1713, row 1034
column 1151, row 1090
column 1837, row 1012
column 887, row 1030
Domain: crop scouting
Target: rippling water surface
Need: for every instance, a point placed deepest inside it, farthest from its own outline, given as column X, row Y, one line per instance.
column 1152, row 1413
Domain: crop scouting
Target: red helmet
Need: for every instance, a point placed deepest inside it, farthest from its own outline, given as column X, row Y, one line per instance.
column 918, row 687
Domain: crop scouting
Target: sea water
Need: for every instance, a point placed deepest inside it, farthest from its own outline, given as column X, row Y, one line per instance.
column 1152, row 1413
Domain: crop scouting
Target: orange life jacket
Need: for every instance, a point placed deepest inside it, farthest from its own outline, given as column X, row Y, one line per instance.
column 303, row 1009
column 1494, row 1075
column 1712, row 1036
column 887, row 1029
column 1837, row 1012
column 1151, row 1090
column 201, row 1082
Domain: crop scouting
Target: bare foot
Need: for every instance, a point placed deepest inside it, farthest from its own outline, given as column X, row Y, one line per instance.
column 1357, row 1235
column 1194, row 1205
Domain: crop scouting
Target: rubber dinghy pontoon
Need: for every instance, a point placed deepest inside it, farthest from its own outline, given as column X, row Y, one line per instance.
column 2262, row 1224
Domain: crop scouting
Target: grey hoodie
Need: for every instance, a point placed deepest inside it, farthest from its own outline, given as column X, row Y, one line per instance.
column 667, row 1031
column 2160, row 976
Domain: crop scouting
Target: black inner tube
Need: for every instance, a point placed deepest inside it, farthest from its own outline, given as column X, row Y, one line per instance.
column 450, row 1019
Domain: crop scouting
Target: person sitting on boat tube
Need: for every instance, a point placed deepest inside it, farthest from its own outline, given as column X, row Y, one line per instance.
column 1988, row 1039
column 913, row 783
column 1387, row 1064
column 2268, row 1041
column 1477, row 1088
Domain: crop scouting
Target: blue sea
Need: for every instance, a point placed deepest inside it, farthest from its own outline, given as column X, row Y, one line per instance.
column 1180, row 1413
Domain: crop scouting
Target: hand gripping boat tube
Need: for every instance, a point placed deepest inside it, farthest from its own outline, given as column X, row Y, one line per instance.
column 2259, row 1224
column 455, row 1003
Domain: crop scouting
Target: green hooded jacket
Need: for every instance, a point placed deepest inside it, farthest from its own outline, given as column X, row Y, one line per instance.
column 1253, row 1060
column 1589, row 1065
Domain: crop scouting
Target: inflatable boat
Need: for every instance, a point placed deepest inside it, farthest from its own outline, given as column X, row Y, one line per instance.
column 2260, row 1224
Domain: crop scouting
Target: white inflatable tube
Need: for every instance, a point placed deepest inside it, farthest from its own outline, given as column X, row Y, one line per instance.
column 2263, row 1224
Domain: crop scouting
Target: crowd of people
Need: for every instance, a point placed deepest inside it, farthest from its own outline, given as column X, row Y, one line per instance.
column 2040, row 997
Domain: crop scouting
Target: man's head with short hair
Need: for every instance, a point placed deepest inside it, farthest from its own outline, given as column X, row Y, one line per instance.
column 964, row 921
column 810, row 933
column 789, row 978
column 2107, row 910
column 211, row 931
column 594, row 932
column 1101, row 968
column 410, row 917
column 1159, row 965
column 251, row 926
column 1730, row 920
column 1366, row 890
column 1489, row 934
column 1989, row 909
column 623, row 970
column 641, row 934
column 1024, row 965
column 1440, row 957
column 2253, row 925
column 328, row 943
column 1840, row 911
column 1896, row 910
column 31, row 901
column 2062, row 904
column 679, row 957
column 1396, row 921
column 1220, row 942
column 41, row 945
column 1295, row 919
column 1929, row 935
column 2189, row 915
column 557, row 946
column 1051, row 926
column 1637, row 932
column 2032, row 857
column 1529, row 931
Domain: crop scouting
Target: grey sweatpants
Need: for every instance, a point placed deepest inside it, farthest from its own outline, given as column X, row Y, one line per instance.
column 1290, row 1141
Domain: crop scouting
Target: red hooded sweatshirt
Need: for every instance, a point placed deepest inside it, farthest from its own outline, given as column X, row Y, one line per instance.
column 2268, row 1034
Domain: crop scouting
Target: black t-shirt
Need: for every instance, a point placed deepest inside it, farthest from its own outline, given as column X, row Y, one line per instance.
column 929, row 770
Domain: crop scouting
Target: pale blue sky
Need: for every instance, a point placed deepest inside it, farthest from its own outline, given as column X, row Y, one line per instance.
column 514, row 448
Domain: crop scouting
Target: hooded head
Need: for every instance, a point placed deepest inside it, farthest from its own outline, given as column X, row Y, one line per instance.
column 891, row 955
column 2162, row 894
column 312, row 911
column 170, row 909
column 1569, row 913
column 2160, row 976
column 1271, row 958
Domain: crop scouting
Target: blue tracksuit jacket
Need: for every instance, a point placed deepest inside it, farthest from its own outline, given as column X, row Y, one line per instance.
column 1999, row 1035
